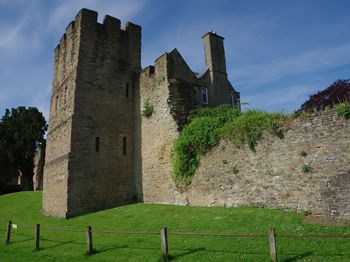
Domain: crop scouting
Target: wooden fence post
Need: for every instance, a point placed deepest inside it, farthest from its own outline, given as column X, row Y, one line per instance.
column 89, row 239
column 8, row 232
column 37, row 236
column 164, row 243
column 272, row 241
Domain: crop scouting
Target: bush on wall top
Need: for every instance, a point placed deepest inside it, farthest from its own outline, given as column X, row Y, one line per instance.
column 208, row 126
column 343, row 110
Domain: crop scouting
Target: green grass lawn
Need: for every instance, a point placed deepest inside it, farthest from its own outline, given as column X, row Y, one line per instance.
column 24, row 209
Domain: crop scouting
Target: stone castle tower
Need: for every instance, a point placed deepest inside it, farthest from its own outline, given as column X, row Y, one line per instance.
column 100, row 151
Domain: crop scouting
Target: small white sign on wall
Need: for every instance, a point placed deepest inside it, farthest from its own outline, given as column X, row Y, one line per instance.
column 331, row 159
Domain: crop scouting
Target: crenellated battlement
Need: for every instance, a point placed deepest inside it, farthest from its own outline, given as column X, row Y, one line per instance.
column 131, row 27
column 111, row 24
column 148, row 71
column 70, row 26
column 88, row 19
column 85, row 31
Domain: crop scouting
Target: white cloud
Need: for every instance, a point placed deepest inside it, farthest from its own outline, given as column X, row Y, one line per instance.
column 65, row 12
column 287, row 97
column 11, row 35
column 316, row 60
column 21, row 34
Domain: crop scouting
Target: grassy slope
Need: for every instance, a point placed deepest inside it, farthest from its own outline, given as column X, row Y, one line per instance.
column 25, row 209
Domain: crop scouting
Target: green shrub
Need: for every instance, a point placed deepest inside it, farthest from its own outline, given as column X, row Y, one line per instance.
column 195, row 140
column 306, row 168
column 250, row 126
column 148, row 109
column 302, row 153
column 224, row 113
column 343, row 110
column 234, row 170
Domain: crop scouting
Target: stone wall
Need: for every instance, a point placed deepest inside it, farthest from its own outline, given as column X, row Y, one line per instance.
column 60, row 121
column 272, row 176
column 157, row 134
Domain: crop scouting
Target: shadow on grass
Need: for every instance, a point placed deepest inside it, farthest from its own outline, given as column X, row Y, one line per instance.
column 22, row 240
column 126, row 247
column 182, row 252
column 59, row 243
column 25, row 238
column 298, row 257
column 188, row 252
column 231, row 252
column 170, row 258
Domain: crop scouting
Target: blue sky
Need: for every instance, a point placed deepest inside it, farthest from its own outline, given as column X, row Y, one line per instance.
column 277, row 52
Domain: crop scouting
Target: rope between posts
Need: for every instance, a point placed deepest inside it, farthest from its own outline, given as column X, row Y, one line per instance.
column 217, row 235
column 259, row 235
column 124, row 233
column 62, row 230
column 313, row 235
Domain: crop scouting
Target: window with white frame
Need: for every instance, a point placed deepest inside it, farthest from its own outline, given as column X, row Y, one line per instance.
column 204, row 95
column 230, row 100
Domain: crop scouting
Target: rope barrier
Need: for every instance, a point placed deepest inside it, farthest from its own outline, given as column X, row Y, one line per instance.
column 62, row 230
column 259, row 235
column 78, row 230
column 313, row 235
column 217, row 235
column 125, row 233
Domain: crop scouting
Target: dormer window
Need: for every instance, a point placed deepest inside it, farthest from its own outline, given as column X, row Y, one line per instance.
column 230, row 100
column 204, row 95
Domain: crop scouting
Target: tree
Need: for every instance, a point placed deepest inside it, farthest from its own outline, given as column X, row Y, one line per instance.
column 336, row 93
column 6, row 171
column 21, row 134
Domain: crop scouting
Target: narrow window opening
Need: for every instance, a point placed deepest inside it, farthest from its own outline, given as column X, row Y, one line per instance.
column 124, row 146
column 230, row 100
column 97, row 144
column 56, row 103
column 127, row 90
column 65, row 95
column 204, row 95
